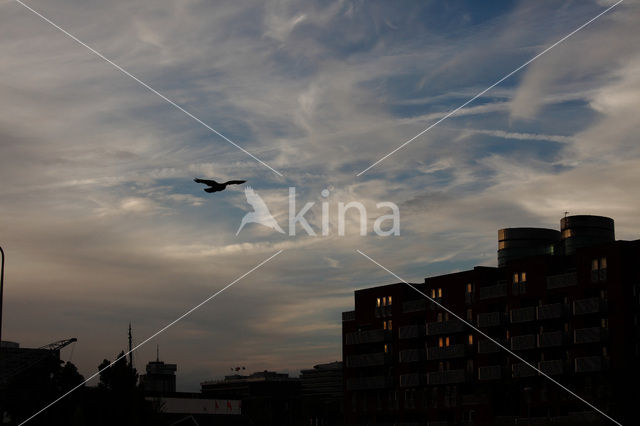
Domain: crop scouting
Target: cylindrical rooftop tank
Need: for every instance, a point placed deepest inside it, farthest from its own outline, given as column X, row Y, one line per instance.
column 516, row 243
column 585, row 230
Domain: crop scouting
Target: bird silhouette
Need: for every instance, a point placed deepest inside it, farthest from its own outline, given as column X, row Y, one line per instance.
column 217, row 187
column 260, row 213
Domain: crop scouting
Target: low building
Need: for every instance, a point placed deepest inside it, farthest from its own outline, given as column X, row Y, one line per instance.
column 322, row 394
column 268, row 398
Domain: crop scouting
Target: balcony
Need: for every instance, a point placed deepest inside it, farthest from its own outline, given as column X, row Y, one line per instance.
column 562, row 280
column 590, row 335
column 445, row 327
column 364, row 383
column 490, row 319
column 368, row 360
column 446, row 377
column 591, row 305
column 493, row 291
column 521, row 370
column 523, row 314
column 589, row 364
column 551, row 339
column 369, row 336
column 552, row 368
column 411, row 331
column 412, row 355
column 412, row 380
column 349, row 316
column 418, row 305
column 445, row 352
column 552, row 311
column 486, row 346
column 492, row 372
column 526, row 341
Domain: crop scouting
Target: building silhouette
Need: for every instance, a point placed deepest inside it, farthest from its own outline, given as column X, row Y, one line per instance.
column 160, row 378
column 268, row 398
column 322, row 394
column 566, row 302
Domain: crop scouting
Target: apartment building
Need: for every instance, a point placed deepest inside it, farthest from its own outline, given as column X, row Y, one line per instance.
column 565, row 302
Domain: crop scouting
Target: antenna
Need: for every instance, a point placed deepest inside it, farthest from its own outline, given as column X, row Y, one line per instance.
column 566, row 213
column 130, row 346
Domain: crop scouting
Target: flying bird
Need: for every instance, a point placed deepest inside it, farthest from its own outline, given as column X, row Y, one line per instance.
column 260, row 213
column 215, row 186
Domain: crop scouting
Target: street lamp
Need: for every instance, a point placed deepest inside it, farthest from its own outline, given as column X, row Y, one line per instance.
column 1, row 288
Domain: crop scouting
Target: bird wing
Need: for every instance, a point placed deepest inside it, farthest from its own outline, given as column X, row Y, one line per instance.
column 234, row 182
column 206, row 181
column 256, row 202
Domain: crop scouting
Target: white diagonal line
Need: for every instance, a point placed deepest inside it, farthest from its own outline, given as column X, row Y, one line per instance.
column 477, row 330
column 154, row 335
column 145, row 85
column 449, row 114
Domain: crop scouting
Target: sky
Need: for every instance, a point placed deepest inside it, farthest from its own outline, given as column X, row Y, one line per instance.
column 103, row 226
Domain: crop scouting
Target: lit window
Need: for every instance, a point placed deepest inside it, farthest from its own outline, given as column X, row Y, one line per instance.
column 378, row 302
column 389, row 325
column 469, row 288
column 603, row 263
column 594, row 265
column 446, row 341
column 389, row 301
column 384, row 301
column 440, row 342
column 516, row 278
column 384, row 325
column 433, row 293
column 386, row 348
column 439, row 292
column 523, row 277
column 470, row 339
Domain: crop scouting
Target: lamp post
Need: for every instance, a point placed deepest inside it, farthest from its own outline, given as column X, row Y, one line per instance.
column 1, row 288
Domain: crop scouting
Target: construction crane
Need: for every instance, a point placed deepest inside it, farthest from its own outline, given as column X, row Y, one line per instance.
column 25, row 365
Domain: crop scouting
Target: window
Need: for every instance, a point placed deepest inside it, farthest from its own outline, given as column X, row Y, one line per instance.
column 470, row 339
column 386, row 348
column 469, row 314
column 440, row 342
column 389, row 325
column 384, row 301
column 469, row 288
column 433, row 293
column 604, row 323
column 447, row 341
column 507, row 334
column 523, row 277
column 389, row 301
column 516, row 278
column 378, row 302
column 384, row 325
column 599, row 269
column 440, row 292
column 439, row 317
